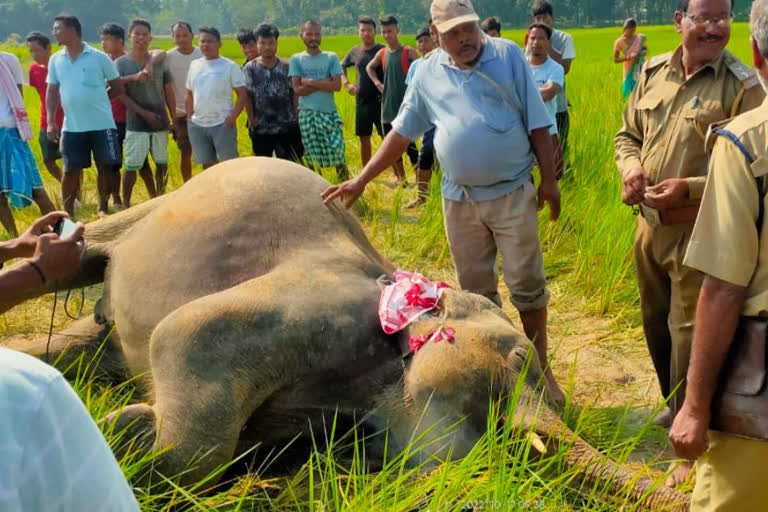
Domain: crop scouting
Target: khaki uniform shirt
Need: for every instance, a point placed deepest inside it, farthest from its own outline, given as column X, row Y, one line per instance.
column 667, row 117
column 725, row 243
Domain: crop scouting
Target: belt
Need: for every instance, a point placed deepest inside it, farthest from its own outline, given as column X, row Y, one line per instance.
column 670, row 216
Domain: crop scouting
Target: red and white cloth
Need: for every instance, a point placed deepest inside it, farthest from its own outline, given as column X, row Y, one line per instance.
column 408, row 298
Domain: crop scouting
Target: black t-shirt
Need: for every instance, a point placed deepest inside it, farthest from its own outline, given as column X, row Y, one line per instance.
column 360, row 57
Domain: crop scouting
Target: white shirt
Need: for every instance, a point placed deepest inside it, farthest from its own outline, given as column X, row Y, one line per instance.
column 178, row 64
column 211, row 83
column 7, row 119
column 53, row 457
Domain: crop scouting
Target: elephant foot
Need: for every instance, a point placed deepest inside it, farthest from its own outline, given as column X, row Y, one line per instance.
column 134, row 427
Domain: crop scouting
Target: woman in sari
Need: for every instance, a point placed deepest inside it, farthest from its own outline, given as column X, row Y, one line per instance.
column 630, row 49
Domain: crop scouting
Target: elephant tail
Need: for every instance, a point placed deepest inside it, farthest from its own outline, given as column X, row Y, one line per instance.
column 101, row 237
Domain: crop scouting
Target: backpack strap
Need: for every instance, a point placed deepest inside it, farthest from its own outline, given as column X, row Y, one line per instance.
column 734, row 139
column 404, row 59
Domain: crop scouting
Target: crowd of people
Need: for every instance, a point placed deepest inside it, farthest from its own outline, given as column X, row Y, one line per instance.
column 695, row 177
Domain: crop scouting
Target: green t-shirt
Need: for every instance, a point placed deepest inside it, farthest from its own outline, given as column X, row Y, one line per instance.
column 394, row 84
column 322, row 66
column 149, row 95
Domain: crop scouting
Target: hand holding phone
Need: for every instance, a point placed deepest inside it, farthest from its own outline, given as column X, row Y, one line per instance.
column 65, row 228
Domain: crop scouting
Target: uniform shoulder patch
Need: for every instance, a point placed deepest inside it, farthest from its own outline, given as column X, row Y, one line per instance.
column 744, row 73
column 657, row 61
column 709, row 140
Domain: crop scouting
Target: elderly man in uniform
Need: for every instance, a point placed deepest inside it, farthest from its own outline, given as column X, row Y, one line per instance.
column 479, row 92
column 730, row 246
column 661, row 156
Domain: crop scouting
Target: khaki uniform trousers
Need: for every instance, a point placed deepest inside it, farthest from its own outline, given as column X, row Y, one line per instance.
column 478, row 231
column 732, row 476
column 669, row 292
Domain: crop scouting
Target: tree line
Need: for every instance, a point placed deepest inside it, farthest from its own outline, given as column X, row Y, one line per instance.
column 337, row 16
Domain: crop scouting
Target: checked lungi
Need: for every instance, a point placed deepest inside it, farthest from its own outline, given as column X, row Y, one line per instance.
column 322, row 137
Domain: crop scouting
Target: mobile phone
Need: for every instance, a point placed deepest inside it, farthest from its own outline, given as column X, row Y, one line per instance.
column 64, row 228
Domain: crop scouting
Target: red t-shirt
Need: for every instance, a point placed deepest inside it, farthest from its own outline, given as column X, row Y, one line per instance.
column 37, row 76
column 118, row 108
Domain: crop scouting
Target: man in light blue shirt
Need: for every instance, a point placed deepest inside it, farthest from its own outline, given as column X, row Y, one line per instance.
column 79, row 74
column 492, row 127
column 316, row 75
column 550, row 77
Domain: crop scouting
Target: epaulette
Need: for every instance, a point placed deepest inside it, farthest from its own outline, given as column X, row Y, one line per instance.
column 709, row 140
column 657, row 61
column 744, row 73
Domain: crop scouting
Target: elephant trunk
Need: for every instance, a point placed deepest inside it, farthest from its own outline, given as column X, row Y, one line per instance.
column 595, row 470
column 598, row 471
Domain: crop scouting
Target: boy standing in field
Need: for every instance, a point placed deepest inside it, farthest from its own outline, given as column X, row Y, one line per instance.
column 367, row 96
column 427, row 153
column 178, row 61
column 270, row 90
column 562, row 51
column 146, row 98
column 316, row 76
column 549, row 76
column 212, row 119
column 394, row 61
column 76, row 77
column 113, row 43
column 247, row 41
column 40, row 49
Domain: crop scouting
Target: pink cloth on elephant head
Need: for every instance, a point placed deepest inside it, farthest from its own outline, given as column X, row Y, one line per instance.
column 409, row 297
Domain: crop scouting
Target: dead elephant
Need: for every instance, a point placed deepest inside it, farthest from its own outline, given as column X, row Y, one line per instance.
column 249, row 306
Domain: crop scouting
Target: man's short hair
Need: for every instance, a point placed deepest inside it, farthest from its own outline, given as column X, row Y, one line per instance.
column 541, row 8
column 267, row 31
column 113, row 30
column 211, row 31
column 366, row 20
column 183, row 24
column 547, row 30
column 758, row 24
column 423, row 32
column 492, row 23
column 245, row 36
column 139, row 22
column 682, row 5
column 70, row 21
column 388, row 20
column 310, row 23
column 38, row 37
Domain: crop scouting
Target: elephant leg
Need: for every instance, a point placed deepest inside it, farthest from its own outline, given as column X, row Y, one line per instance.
column 83, row 346
column 206, row 381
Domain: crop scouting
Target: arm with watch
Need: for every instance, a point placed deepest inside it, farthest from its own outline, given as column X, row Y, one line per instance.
column 49, row 258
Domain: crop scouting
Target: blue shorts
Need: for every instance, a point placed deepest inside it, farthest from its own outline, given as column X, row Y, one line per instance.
column 76, row 149
column 18, row 170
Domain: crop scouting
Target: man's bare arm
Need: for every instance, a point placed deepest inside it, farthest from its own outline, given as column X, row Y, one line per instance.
column 549, row 90
column 189, row 104
column 116, row 88
column 52, row 103
column 332, row 84
column 170, row 100
column 372, row 68
column 299, row 88
column 717, row 316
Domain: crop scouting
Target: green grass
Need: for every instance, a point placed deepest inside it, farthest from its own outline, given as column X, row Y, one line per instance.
column 588, row 258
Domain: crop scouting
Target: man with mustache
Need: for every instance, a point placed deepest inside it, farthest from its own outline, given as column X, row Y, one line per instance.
column 491, row 127
column 661, row 155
